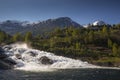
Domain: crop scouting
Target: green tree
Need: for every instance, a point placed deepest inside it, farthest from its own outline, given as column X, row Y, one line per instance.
column 110, row 43
column 105, row 31
column 28, row 37
column 51, row 42
column 119, row 51
column 76, row 32
column 17, row 37
column 78, row 45
column 91, row 36
column 115, row 49
column 2, row 37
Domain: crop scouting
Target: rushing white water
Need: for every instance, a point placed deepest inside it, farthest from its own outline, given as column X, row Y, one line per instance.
column 29, row 59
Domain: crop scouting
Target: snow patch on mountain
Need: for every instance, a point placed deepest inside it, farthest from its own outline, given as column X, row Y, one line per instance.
column 98, row 23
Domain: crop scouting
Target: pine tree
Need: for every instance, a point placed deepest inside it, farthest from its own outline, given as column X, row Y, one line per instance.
column 110, row 43
column 115, row 49
column 78, row 45
column 17, row 37
column 119, row 51
column 28, row 37
column 91, row 36
column 105, row 31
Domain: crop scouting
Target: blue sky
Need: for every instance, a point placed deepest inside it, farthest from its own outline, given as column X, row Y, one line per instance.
column 81, row 11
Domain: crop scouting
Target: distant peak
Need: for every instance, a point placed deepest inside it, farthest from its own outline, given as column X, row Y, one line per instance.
column 99, row 23
column 63, row 18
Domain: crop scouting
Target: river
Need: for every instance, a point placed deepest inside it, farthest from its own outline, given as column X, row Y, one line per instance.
column 29, row 67
column 62, row 74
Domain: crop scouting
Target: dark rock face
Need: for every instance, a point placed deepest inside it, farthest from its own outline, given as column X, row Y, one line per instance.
column 4, row 65
column 2, row 55
column 45, row 60
column 5, row 61
column 9, row 61
column 1, row 50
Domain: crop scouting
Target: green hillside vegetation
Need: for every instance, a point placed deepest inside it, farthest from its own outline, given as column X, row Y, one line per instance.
column 100, row 47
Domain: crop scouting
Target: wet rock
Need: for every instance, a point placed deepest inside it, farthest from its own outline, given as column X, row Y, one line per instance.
column 4, row 65
column 33, row 54
column 7, row 48
column 2, row 55
column 1, row 50
column 10, row 61
column 21, row 50
column 18, row 56
column 5, row 61
column 45, row 60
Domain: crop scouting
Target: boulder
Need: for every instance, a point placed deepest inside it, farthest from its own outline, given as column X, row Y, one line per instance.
column 33, row 54
column 4, row 65
column 18, row 56
column 45, row 60
column 5, row 61
column 2, row 55
column 7, row 47
column 1, row 50
column 9, row 61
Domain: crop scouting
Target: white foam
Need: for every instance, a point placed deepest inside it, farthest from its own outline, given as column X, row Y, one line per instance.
column 32, row 63
column 19, row 45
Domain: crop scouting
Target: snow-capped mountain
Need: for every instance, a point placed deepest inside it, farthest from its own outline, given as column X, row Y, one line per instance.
column 95, row 24
column 12, row 27
column 98, row 23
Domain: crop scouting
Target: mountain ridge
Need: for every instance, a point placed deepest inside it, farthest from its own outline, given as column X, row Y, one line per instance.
column 12, row 27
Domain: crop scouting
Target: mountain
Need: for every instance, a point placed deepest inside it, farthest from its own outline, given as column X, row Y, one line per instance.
column 94, row 24
column 12, row 27
column 98, row 23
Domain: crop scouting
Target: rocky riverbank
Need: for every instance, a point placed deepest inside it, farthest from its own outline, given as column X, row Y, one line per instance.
column 5, row 61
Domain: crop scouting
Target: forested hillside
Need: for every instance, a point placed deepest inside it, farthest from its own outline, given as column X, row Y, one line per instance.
column 101, row 46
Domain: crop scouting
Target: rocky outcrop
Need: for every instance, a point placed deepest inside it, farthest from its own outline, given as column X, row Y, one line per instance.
column 2, row 55
column 45, row 60
column 5, row 61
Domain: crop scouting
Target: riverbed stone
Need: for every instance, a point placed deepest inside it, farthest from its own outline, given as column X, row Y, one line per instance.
column 45, row 60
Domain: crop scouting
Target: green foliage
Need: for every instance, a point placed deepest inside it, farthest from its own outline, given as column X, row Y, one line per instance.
column 105, row 31
column 28, row 37
column 78, row 42
column 17, row 37
column 78, row 45
column 115, row 49
column 119, row 51
column 2, row 37
column 74, row 42
column 91, row 36
column 110, row 44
